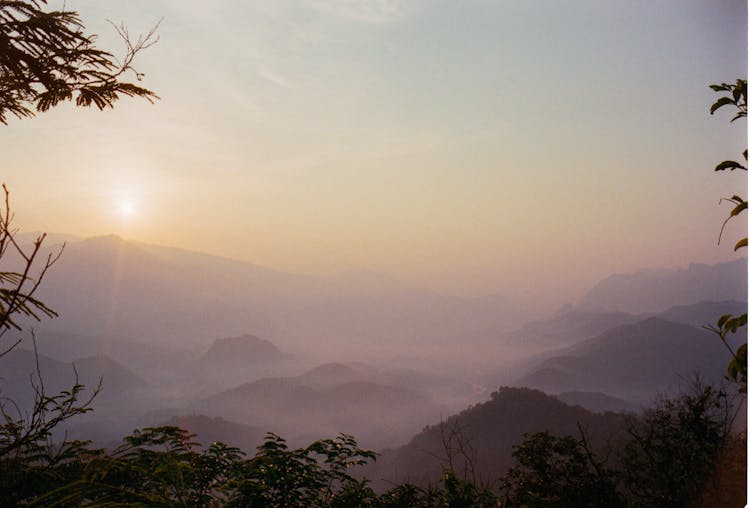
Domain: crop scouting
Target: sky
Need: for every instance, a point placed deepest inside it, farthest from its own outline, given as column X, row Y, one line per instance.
column 524, row 148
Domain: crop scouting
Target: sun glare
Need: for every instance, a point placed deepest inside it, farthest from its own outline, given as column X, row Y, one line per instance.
column 126, row 208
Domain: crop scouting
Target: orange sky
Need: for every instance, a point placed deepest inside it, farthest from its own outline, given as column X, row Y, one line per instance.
column 523, row 148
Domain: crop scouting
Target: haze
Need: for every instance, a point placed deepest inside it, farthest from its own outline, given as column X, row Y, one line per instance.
column 526, row 149
column 480, row 237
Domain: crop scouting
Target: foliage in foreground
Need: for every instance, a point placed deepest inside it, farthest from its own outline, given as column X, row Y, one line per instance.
column 559, row 471
column 733, row 95
column 164, row 467
column 673, row 448
column 667, row 456
column 47, row 58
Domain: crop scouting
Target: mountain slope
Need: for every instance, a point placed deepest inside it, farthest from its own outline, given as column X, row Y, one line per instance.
column 488, row 432
column 598, row 402
column 377, row 414
column 633, row 361
column 19, row 371
column 703, row 313
column 657, row 290
column 567, row 327
column 236, row 352
column 209, row 430
column 114, row 289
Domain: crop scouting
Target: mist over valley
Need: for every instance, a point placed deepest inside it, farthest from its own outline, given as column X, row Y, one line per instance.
column 231, row 351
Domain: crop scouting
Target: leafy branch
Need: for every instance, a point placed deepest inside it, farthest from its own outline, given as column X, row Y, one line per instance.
column 47, row 58
column 733, row 95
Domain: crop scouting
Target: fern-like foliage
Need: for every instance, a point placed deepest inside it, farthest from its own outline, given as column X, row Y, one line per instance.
column 46, row 57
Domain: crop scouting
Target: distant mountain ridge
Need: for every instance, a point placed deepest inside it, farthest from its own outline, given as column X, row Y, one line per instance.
column 209, row 430
column 657, row 290
column 19, row 370
column 598, row 402
column 244, row 350
column 703, row 313
column 330, row 399
column 574, row 324
column 567, row 327
column 633, row 361
column 130, row 291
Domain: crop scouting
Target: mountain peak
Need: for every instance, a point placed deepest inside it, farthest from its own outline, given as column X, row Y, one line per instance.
column 110, row 239
column 244, row 350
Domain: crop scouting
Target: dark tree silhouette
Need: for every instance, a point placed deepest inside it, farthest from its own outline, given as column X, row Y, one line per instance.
column 674, row 447
column 17, row 287
column 47, row 58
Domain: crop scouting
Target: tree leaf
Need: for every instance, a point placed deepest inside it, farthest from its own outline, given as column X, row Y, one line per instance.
column 723, row 319
column 730, row 165
column 721, row 102
column 741, row 207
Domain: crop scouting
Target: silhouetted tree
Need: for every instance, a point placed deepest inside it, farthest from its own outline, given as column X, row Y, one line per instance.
column 672, row 449
column 561, row 472
column 47, row 57
column 17, row 287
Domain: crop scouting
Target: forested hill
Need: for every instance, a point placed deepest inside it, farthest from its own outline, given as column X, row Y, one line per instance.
column 481, row 438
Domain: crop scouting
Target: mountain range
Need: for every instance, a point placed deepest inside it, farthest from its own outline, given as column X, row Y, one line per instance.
column 118, row 290
column 634, row 361
column 232, row 350
column 329, row 399
column 657, row 290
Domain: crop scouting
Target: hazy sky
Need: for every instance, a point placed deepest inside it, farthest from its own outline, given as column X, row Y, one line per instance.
column 521, row 147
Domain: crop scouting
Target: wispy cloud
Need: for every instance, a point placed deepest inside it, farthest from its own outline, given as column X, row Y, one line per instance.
column 373, row 11
column 277, row 79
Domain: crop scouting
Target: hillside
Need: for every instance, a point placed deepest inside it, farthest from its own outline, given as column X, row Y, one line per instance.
column 377, row 414
column 209, row 430
column 632, row 361
column 238, row 352
column 18, row 369
column 488, row 432
column 574, row 323
column 332, row 374
column 703, row 313
column 567, row 327
column 598, row 402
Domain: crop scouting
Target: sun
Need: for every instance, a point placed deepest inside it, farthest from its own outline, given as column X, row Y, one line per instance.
column 126, row 208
